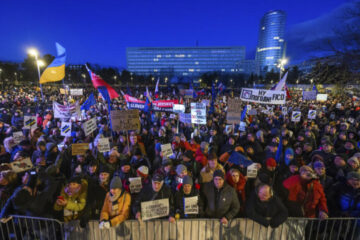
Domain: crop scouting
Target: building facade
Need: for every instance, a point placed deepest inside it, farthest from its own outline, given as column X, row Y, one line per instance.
column 271, row 45
column 183, row 61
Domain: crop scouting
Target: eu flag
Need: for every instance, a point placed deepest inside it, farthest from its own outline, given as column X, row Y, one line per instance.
column 88, row 103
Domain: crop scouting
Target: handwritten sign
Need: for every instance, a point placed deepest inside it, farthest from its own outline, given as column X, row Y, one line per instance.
column 198, row 113
column 321, row 97
column 251, row 171
column 125, row 120
column 178, row 108
column 103, row 145
column 234, row 111
column 89, row 126
column 296, row 116
column 76, row 92
column 155, row 209
column 21, row 165
column 65, row 129
column 135, row 184
column 18, row 137
column 191, row 205
column 166, row 150
column 79, row 148
column 30, row 122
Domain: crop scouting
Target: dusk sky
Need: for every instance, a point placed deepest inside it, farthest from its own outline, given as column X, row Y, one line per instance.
column 99, row 31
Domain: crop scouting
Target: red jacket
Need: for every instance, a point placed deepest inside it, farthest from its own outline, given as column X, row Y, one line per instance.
column 314, row 202
column 201, row 157
column 239, row 187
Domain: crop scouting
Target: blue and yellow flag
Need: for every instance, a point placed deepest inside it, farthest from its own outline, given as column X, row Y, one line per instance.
column 56, row 70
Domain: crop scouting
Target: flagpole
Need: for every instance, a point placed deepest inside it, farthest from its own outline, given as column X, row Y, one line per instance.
column 38, row 69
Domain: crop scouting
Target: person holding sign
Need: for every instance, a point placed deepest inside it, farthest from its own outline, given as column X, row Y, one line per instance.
column 221, row 200
column 157, row 190
column 116, row 208
column 188, row 192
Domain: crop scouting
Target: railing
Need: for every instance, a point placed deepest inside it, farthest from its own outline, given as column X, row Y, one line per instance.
column 21, row 227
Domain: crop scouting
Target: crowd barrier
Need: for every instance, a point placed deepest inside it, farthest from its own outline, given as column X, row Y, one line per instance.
column 20, row 227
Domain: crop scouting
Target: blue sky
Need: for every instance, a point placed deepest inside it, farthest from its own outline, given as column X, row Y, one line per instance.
column 100, row 31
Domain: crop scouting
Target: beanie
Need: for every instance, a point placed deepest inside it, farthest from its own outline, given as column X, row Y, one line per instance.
column 180, row 168
column 143, row 171
column 116, row 183
column 219, row 173
column 188, row 180
column 270, row 162
column 319, row 164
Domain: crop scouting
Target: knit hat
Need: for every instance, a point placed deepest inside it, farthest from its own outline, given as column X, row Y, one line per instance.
column 166, row 162
column 143, row 171
column 157, row 177
column 125, row 162
column 306, row 169
column 319, row 164
column 116, row 183
column 50, row 146
column 219, row 173
column 354, row 175
column 104, row 168
column 41, row 143
column 353, row 159
column 75, row 179
column 187, row 180
column 270, row 162
column 180, row 168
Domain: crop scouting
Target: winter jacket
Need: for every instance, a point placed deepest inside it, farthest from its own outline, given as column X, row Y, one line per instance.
column 220, row 203
column 272, row 212
column 206, row 173
column 344, row 200
column 201, row 157
column 180, row 200
column 116, row 211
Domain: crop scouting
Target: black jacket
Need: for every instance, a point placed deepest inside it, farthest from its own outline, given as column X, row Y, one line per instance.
column 220, row 203
column 179, row 202
column 272, row 212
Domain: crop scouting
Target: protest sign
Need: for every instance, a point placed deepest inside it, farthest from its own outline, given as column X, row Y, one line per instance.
column 191, row 205
column 321, row 97
column 185, row 118
column 178, row 108
column 68, row 111
column 21, row 165
column 63, row 91
column 296, row 116
column 79, row 148
column 338, row 105
column 309, row 95
column 166, row 150
column 135, row 184
column 18, row 137
column 76, row 92
column 233, row 114
column 312, row 114
column 251, row 171
column 154, row 209
column 29, row 122
column 89, row 126
column 198, row 113
column 284, row 110
column 125, row 120
column 65, row 129
column 103, row 145
column 263, row 96
column 242, row 126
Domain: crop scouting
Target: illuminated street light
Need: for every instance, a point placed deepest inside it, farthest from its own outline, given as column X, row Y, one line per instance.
column 40, row 63
column 35, row 53
column 282, row 63
column 83, row 75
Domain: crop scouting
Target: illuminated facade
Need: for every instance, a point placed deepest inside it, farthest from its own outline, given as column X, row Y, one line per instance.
column 271, row 45
column 183, row 61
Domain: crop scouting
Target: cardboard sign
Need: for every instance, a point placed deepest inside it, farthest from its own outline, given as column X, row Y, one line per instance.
column 233, row 114
column 89, row 126
column 65, row 129
column 185, row 118
column 312, row 114
column 64, row 91
column 321, row 97
column 284, row 110
column 79, row 148
column 251, row 171
column 21, row 165
column 103, row 145
column 166, row 150
column 29, row 122
column 296, row 116
column 135, row 185
column 191, row 205
column 309, row 95
column 178, row 108
column 125, row 120
column 18, row 137
column 155, row 209
column 198, row 113
column 76, row 92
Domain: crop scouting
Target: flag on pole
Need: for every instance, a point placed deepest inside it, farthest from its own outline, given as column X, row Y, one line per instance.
column 281, row 83
column 243, row 114
column 315, row 89
column 88, row 103
column 157, row 89
column 279, row 150
column 148, row 102
column 56, row 70
column 98, row 82
column 221, row 87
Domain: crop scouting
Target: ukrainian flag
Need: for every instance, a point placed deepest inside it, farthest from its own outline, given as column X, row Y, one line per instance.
column 56, row 70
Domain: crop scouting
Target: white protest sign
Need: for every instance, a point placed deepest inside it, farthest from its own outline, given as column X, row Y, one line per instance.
column 65, row 129
column 178, row 108
column 284, row 110
column 166, row 150
column 295, row 117
column 172, row 116
column 321, row 97
column 21, row 165
column 263, row 96
column 76, row 92
column 191, row 205
column 312, row 114
column 242, row 126
column 155, row 209
column 198, row 113
column 29, row 122
column 103, row 145
column 338, row 105
column 252, row 171
column 135, row 184
column 90, row 126
column 18, row 137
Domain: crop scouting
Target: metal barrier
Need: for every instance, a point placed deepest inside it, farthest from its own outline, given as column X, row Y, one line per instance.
column 23, row 227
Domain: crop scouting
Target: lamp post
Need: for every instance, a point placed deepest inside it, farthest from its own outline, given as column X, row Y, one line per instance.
column 33, row 52
column 2, row 83
column 282, row 63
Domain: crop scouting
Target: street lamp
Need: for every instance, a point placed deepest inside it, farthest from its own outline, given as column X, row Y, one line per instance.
column 311, row 81
column 33, row 52
column 282, row 63
column 297, row 81
column 2, row 83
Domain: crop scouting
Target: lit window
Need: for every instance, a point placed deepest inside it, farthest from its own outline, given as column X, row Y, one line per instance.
column 281, row 40
column 158, row 56
column 196, row 63
column 276, row 38
column 269, row 57
column 263, row 28
column 191, row 70
column 232, row 70
column 198, row 70
column 179, row 55
column 156, row 59
column 223, row 70
column 168, row 55
column 268, row 48
column 189, row 55
column 155, row 70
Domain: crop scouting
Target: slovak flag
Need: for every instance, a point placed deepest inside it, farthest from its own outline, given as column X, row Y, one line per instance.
column 148, row 102
column 221, row 87
column 98, row 82
column 157, row 89
column 282, row 84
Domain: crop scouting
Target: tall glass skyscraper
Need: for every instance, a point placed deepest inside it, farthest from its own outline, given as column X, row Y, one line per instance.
column 271, row 45
column 183, row 61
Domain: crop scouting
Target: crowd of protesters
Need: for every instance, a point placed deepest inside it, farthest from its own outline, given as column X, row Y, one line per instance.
column 316, row 173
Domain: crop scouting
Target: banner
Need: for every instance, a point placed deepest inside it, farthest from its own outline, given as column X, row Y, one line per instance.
column 155, row 209
column 29, row 122
column 76, row 92
column 321, row 97
column 166, row 150
column 178, row 108
column 135, row 185
column 159, row 105
column 312, row 114
column 125, row 120
column 21, row 165
column 18, row 137
column 185, row 118
column 65, row 129
column 187, row 93
column 89, row 126
column 191, row 205
column 62, row 111
column 263, row 96
column 198, row 113
column 309, row 95
column 296, row 116
column 233, row 111
column 79, row 148
column 103, row 145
